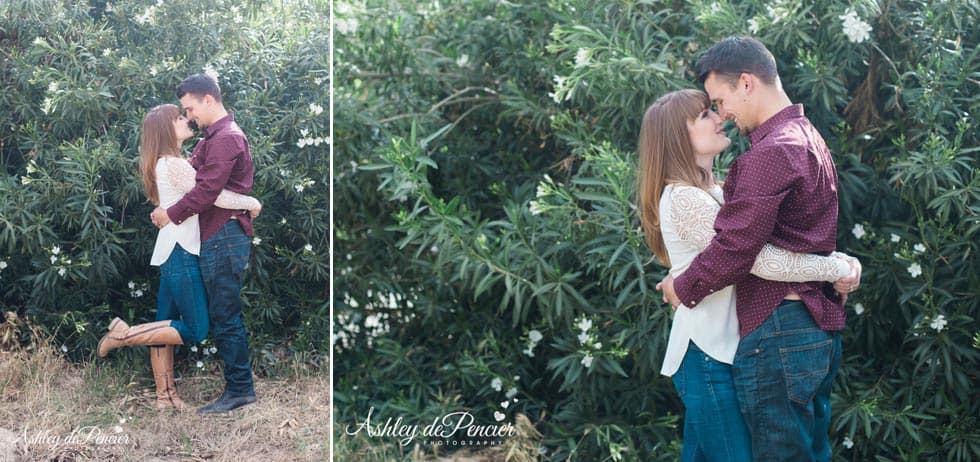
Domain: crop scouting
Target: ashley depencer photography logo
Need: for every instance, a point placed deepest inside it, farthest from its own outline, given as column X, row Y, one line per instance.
column 81, row 436
column 453, row 429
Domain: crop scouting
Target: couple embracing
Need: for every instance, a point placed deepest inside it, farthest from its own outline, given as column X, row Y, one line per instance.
column 203, row 245
column 755, row 342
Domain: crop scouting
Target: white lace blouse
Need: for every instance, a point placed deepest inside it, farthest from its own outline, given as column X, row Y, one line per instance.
column 687, row 216
column 175, row 177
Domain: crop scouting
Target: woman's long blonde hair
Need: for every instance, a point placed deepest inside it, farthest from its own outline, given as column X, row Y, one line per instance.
column 667, row 156
column 158, row 138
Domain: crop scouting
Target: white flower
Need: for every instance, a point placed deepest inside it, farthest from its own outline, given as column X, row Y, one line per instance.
column 512, row 392
column 256, row 240
column 939, row 323
column 858, row 230
column 587, row 361
column 283, row 221
column 585, row 324
column 308, row 247
column 39, row 41
column 855, row 28
column 499, row 415
column 211, row 72
column 462, row 60
column 55, row 250
column 316, row 109
column 534, row 207
column 132, row 285
column 535, row 336
column 200, row 365
column 598, row 345
column 847, row 442
column 3, row 265
column 117, row 429
column 138, row 293
column 582, row 57
column 896, row 238
column 299, row 188
column 529, row 351
column 915, row 270
column 53, row 259
column 497, row 384
column 346, row 26
column 194, row 349
column 919, row 248
column 583, row 338
column 859, row 308
column 213, row 350
column 62, row 272
column 64, row 348
column 753, row 26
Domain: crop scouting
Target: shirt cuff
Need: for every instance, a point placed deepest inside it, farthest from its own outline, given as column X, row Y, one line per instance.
column 690, row 290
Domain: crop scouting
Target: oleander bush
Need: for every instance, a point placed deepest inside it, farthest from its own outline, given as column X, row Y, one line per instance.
column 489, row 252
column 75, row 235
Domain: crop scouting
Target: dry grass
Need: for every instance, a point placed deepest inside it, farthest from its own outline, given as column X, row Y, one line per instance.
column 61, row 411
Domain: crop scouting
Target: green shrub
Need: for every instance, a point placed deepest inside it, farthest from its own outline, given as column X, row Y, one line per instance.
column 485, row 156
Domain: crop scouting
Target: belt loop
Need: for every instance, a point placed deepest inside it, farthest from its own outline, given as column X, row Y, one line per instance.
column 775, row 318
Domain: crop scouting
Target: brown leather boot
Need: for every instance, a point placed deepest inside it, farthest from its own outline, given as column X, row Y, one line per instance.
column 151, row 333
column 162, row 362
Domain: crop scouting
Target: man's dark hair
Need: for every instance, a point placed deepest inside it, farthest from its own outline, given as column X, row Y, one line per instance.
column 199, row 85
column 735, row 55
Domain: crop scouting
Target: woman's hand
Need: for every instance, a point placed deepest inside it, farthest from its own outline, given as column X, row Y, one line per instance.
column 254, row 213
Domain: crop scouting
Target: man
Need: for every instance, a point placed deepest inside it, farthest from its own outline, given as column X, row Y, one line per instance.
column 223, row 161
column 783, row 190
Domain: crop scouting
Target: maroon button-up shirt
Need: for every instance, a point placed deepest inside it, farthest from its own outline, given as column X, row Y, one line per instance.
column 783, row 190
column 223, row 161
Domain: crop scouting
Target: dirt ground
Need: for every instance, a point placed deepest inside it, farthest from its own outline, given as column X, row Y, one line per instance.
column 55, row 410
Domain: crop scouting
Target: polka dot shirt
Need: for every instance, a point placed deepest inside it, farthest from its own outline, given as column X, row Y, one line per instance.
column 783, row 190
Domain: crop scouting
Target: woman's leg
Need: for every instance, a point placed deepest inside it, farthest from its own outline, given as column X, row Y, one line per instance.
column 182, row 297
column 713, row 425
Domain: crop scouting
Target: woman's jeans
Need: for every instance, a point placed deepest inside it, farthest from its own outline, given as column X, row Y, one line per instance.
column 182, row 297
column 713, row 426
column 223, row 260
column 784, row 371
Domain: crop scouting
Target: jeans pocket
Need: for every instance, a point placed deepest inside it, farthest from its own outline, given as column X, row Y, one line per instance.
column 804, row 369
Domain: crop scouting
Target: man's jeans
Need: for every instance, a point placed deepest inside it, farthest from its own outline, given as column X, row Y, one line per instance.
column 223, row 260
column 784, row 371
column 713, row 426
column 182, row 297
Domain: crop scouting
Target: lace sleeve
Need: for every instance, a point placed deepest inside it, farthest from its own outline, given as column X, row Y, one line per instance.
column 778, row 264
column 181, row 176
column 693, row 211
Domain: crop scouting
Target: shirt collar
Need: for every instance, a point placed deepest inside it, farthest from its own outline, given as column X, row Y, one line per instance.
column 789, row 112
column 219, row 125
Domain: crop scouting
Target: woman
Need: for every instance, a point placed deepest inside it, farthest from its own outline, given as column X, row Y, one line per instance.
column 678, row 199
column 167, row 176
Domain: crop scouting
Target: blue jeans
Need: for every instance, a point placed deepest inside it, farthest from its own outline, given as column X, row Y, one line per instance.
column 713, row 426
column 784, row 371
column 182, row 295
column 223, row 260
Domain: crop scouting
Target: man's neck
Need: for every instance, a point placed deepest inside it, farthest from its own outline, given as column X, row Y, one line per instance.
column 773, row 104
column 220, row 114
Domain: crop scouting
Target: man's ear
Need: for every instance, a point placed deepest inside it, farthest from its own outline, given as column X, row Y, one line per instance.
column 746, row 82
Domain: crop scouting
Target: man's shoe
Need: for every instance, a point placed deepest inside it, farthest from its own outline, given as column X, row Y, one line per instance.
column 226, row 403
